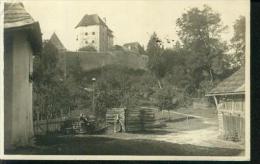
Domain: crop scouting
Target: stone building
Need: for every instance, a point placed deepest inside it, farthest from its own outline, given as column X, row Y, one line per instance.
column 92, row 31
column 22, row 40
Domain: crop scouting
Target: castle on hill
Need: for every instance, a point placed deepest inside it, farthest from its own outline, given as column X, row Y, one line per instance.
column 92, row 31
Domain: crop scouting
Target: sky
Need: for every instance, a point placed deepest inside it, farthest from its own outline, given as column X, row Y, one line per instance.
column 130, row 21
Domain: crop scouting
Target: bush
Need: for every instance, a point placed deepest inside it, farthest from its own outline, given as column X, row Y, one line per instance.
column 88, row 48
column 167, row 98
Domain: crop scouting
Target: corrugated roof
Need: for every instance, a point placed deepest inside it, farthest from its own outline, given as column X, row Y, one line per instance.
column 17, row 18
column 235, row 84
column 93, row 19
column 56, row 42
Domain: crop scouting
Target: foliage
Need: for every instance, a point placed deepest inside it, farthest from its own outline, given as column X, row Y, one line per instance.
column 88, row 48
column 51, row 94
column 167, row 98
column 238, row 42
column 115, row 86
column 200, row 34
column 154, row 51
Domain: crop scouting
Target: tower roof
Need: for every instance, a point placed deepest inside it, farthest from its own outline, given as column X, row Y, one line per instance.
column 56, row 42
column 92, row 19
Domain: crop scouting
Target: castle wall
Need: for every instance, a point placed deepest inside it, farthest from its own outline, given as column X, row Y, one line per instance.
column 93, row 60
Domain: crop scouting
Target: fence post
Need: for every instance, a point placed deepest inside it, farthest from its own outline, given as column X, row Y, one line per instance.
column 187, row 122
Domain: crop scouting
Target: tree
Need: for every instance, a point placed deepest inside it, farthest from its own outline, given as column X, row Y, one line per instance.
column 154, row 51
column 200, row 31
column 167, row 98
column 238, row 42
column 50, row 92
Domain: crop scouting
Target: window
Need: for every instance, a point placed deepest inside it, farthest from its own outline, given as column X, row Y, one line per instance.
column 86, row 42
column 93, row 41
column 93, row 33
column 86, row 33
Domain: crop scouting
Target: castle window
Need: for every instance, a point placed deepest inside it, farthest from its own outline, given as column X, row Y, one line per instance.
column 93, row 33
column 86, row 42
column 93, row 41
column 86, row 33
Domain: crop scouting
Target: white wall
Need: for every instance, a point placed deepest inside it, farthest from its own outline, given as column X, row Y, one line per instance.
column 83, row 38
column 18, row 89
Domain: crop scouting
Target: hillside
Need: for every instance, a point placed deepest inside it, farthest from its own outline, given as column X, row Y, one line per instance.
column 93, row 60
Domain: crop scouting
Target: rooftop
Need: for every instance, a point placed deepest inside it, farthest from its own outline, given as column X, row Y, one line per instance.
column 17, row 18
column 235, row 84
column 93, row 19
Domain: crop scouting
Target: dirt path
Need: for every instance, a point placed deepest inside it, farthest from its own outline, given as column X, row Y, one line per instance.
column 201, row 137
column 199, row 131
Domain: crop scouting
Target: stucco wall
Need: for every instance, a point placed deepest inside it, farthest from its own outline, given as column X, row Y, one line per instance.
column 18, row 92
column 84, row 40
column 110, row 42
column 103, row 38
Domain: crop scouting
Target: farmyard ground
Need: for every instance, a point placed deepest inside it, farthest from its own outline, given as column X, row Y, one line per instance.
column 180, row 137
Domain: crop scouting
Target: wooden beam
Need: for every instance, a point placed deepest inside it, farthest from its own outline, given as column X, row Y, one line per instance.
column 216, row 101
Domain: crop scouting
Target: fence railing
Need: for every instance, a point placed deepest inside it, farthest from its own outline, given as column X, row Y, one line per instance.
column 42, row 127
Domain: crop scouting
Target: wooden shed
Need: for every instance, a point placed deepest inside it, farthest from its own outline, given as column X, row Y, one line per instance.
column 22, row 40
column 229, row 98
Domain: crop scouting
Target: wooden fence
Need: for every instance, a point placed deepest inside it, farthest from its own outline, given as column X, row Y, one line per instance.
column 234, row 127
column 43, row 127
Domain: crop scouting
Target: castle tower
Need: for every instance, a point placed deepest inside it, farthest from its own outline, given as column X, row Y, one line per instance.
column 92, row 31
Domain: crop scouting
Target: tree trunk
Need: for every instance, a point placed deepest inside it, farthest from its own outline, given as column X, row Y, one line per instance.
column 159, row 83
column 211, row 76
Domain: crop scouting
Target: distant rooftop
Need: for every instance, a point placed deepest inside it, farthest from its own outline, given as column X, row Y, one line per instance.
column 235, row 84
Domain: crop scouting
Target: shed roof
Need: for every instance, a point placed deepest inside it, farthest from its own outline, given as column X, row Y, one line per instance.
column 235, row 84
column 92, row 19
column 56, row 42
column 17, row 18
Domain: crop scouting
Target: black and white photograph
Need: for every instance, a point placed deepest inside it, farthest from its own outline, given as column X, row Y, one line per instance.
column 125, row 80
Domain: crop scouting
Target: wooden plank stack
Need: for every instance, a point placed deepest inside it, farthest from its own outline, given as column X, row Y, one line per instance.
column 136, row 118
column 111, row 115
column 141, row 118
